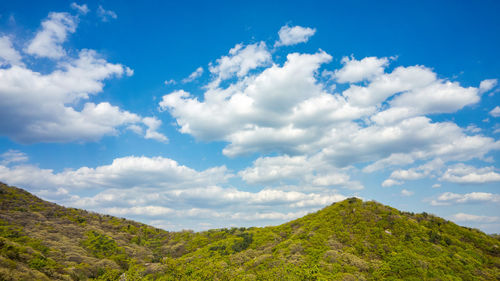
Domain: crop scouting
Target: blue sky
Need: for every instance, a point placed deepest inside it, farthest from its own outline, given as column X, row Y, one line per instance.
column 213, row 114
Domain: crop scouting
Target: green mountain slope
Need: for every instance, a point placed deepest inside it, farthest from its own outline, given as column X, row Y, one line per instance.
column 349, row 240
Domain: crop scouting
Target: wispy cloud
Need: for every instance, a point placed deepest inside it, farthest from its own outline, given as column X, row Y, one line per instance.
column 13, row 156
column 106, row 15
column 193, row 76
column 82, row 9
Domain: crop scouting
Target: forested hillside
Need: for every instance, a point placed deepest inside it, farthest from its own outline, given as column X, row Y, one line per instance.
column 348, row 240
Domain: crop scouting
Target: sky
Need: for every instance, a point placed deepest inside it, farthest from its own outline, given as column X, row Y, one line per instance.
column 210, row 114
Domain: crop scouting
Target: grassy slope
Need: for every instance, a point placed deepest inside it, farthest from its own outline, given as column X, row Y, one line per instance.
column 348, row 240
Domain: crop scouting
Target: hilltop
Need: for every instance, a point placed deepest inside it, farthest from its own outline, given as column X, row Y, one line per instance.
column 348, row 240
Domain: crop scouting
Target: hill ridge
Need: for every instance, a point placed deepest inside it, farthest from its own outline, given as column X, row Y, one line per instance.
column 347, row 240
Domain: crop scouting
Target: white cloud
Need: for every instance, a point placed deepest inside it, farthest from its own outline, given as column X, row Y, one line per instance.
column 8, row 55
column 297, row 169
column 82, row 9
column 359, row 70
column 294, row 35
column 428, row 96
column 151, row 133
column 449, row 198
column 47, row 41
column 56, row 195
column 423, row 171
column 286, row 109
column 136, row 129
column 142, row 210
column 128, row 71
column 401, row 79
column 439, row 97
column 461, row 173
column 170, row 82
column 406, row 193
column 487, row 85
column 395, row 159
column 436, row 185
column 193, row 76
column 407, row 175
column 248, row 113
column 212, row 204
column 473, row 129
column 495, row 112
column 280, row 168
column 126, row 172
column 239, row 62
column 462, row 217
column 273, row 216
column 106, row 15
column 391, row 182
column 13, row 156
column 44, row 104
column 417, row 137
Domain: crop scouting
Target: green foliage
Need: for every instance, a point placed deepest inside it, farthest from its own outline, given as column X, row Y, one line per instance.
column 349, row 240
column 242, row 244
column 100, row 245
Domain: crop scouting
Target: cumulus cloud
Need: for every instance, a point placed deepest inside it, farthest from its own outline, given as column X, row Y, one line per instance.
column 106, row 15
column 213, row 204
column 43, row 105
column 252, row 113
column 193, row 76
column 464, row 174
column 239, row 62
column 287, row 109
column 151, row 133
column 54, row 32
column 39, row 102
column 8, row 55
column 449, row 198
column 294, row 35
column 126, row 172
column 313, row 133
column 399, row 176
column 297, row 170
column 359, row 70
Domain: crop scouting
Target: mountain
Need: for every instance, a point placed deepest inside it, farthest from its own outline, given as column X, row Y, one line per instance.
column 348, row 240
